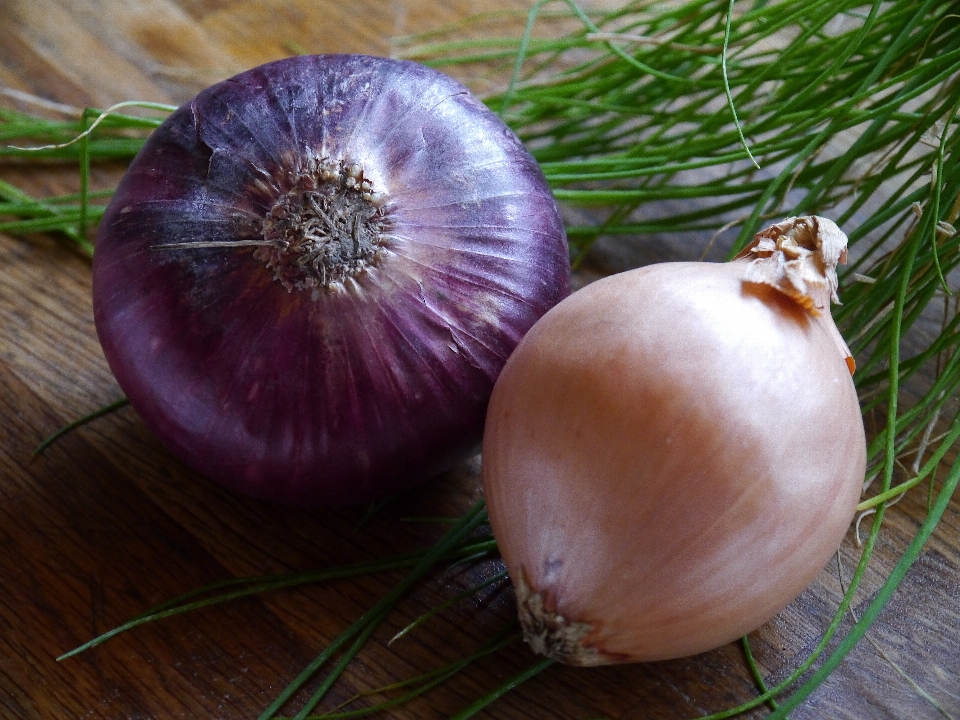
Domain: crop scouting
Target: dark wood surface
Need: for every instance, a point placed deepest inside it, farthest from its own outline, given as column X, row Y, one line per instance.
column 107, row 524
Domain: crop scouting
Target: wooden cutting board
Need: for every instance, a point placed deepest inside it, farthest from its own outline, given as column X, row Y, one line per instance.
column 107, row 524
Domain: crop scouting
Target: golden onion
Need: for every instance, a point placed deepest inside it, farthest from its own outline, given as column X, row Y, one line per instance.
column 673, row 453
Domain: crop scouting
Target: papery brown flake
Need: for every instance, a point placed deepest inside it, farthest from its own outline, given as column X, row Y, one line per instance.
column 799, row 257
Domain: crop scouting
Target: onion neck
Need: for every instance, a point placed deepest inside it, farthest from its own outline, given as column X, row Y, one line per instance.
column 799, row 257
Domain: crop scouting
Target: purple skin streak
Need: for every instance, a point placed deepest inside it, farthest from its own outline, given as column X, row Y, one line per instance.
column 354, row 246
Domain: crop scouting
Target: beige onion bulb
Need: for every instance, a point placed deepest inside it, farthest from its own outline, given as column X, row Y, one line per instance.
column 673, row 453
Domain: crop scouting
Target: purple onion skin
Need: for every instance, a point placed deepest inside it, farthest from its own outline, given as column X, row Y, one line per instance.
column 331, row 394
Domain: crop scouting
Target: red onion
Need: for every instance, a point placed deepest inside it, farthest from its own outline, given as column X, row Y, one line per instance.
column 312, row 274
column 673, row 453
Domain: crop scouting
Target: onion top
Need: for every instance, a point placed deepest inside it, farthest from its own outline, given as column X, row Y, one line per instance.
column 313, row 272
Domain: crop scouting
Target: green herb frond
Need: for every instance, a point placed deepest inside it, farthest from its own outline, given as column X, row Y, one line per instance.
column 95, row 136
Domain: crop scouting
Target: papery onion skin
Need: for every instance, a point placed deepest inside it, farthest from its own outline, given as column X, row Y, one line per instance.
column 272, row 382
column 671, row 456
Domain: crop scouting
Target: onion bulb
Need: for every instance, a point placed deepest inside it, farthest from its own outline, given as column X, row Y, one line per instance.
column 673, row 453
column 312, row 274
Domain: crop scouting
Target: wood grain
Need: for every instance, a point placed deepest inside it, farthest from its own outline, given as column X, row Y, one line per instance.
column 106, row 523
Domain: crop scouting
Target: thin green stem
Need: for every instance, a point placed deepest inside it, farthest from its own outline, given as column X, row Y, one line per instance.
column 492, row 580
column 243, row 587
column 726, row 85
column 105, row 410
column 425, row 682
column 84, row 148
column 521, row 55
column 368, row 622
column 518, row 679
column 755, row 671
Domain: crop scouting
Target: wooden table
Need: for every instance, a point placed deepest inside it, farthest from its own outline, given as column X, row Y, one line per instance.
column 107, row 524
